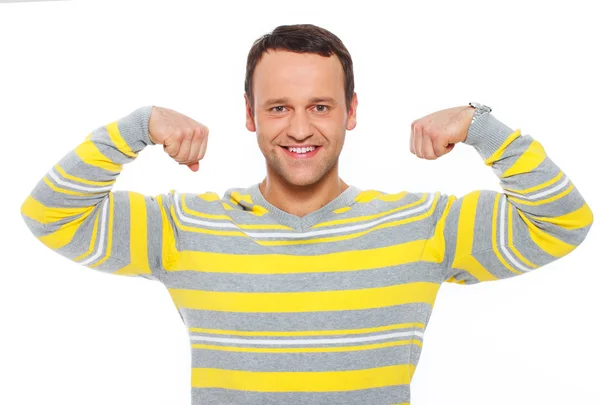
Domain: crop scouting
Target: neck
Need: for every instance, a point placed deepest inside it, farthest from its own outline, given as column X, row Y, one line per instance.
column 301, row 200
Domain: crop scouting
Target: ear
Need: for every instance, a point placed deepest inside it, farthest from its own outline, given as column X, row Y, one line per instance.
column 351, row 121
column 249, row 117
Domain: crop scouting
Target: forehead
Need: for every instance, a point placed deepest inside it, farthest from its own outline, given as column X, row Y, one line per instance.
column 297, row 75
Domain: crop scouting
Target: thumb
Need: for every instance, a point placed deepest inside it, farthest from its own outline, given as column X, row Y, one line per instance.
column 194, row 166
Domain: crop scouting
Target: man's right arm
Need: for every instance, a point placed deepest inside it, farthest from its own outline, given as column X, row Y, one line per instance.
column 73, row 211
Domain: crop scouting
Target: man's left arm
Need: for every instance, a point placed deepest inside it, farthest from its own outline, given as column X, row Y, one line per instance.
column 484, row 235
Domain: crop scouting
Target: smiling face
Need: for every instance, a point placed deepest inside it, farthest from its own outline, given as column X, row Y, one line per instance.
column 300, row 116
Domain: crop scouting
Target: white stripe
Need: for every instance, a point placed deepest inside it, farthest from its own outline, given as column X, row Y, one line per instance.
column 541, row 193
column 502, row 244
column 101, row 242
column 299, row 235
column 305, row 341
column 77, row 186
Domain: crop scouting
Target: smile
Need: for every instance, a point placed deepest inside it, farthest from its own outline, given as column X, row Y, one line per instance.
column 304, row 152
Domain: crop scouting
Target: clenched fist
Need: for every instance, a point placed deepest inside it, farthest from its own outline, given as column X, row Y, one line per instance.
column 182, row 138
column 436, row 134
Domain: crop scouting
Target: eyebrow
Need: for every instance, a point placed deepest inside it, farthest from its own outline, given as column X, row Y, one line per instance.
column 284, row 100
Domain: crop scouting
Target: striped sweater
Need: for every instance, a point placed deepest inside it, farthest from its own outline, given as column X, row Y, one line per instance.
column 329, row 308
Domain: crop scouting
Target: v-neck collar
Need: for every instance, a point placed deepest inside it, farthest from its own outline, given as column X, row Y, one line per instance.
column 301, row 224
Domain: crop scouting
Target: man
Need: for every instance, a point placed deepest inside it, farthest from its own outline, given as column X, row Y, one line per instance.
column 302, row 289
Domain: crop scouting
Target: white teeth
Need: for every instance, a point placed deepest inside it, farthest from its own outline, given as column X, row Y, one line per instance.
column 302, row 150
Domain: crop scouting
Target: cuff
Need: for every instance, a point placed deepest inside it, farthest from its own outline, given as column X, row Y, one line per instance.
column 486, row 134
column 134, row 128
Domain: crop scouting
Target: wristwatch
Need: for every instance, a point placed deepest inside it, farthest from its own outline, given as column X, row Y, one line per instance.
column 479, row 110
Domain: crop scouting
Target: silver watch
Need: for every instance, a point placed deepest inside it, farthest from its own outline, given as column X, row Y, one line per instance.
column 479, row 110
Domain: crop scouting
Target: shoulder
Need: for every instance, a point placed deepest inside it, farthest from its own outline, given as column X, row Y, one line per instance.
column 206, row 202
column 397, row 204
column 396, row 199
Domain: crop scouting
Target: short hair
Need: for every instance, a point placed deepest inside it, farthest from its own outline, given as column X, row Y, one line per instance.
column 300, row 38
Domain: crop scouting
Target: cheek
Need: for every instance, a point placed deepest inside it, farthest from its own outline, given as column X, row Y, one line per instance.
column 265, row 144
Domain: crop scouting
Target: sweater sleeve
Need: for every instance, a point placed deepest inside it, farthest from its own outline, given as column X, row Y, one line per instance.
column 538, row 218
column 73, row 211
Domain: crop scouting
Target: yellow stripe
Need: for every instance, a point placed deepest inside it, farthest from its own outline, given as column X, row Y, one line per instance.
column 47, row 215
column 198, row 214
column 118, row 141
column 310, row 332
column 548, row 243
column 393, row 197
column 237, row 197
column 453, row 279
column 90, row 154
column 495, row 236
column 510, row 241
column 168, row 235
column 435, row 249
column 337, row 300
column 548, row 183
column 579, row 218
column 84, row 181
column 138, row 236
column 369, row 217
column 529, row 160
column 64, row 234
column 306, row 349
column 294, row 381
column 463, row 259
column 540, row 202
column 496, row 155
column 466, row 224
column 189, row 260
column 367, row 195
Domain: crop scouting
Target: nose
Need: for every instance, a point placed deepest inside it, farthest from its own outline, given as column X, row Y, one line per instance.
column 300, row 126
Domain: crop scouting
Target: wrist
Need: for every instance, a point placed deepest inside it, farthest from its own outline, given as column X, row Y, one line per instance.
column 486, row 134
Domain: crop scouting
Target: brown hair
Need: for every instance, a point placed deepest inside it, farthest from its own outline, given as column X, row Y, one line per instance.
column 301, row 38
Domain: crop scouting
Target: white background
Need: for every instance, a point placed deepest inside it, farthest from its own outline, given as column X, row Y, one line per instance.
column 72, row 335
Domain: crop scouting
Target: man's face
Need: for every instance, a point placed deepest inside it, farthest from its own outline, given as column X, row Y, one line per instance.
column 299, row 101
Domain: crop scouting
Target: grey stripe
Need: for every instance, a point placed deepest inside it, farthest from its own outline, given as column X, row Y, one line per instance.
column 300, row 362
column 374, row 396
column 296, row 282
column 302, row 321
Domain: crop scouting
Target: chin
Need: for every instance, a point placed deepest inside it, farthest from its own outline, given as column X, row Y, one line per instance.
column 302, row 181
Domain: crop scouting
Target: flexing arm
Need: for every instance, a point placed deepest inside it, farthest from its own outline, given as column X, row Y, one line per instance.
column 73, row 211
column 486, row 235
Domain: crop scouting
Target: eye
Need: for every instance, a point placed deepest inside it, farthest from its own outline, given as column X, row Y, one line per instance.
column 279, row 106
column 322, row 105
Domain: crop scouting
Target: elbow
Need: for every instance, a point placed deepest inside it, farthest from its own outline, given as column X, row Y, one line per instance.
column 33, row 215
column 587, row 226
